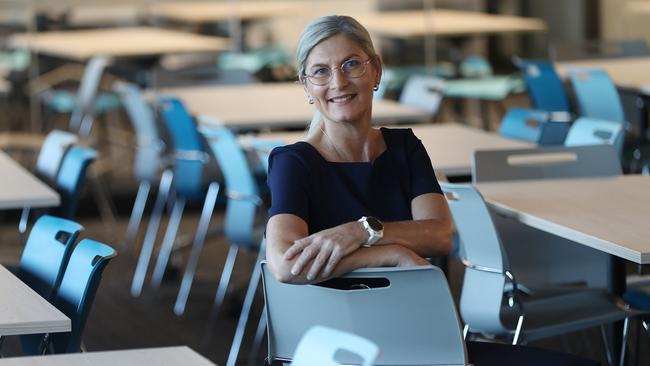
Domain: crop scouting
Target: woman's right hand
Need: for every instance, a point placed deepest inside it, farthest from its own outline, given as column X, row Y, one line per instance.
column 404, row 257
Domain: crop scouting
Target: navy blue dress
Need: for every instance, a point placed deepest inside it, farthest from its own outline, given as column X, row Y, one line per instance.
column 326, row 194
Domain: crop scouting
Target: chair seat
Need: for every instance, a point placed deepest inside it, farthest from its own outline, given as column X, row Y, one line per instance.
column 63, row 101
column 487, row 88
column 638, row 298
column 566, row 313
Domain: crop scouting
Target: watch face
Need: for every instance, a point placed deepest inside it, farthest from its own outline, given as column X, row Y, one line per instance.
column 374, row 223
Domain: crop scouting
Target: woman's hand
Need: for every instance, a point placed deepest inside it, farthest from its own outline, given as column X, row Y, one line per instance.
column 404, row 257
column 326, row 248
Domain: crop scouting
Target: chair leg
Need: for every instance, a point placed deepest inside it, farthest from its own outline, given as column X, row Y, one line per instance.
column 246, row 308
column 259, row 336
column 152, row 232
column 606, row 344
column 24, row 219
column 626, row 324
column 136, row 213
column 168, row 242
column 225, row 278
column 520, row 323
column 197, row 247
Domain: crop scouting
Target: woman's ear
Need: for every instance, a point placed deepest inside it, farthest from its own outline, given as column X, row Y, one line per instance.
column 379, row 69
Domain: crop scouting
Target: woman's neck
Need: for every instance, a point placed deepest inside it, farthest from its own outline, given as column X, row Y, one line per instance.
column 349, row 143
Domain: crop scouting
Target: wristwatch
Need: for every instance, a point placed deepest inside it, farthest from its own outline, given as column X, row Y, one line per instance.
column 374, row 227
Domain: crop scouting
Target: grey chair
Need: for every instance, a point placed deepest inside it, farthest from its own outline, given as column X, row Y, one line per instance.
column 424, row 93
column 484, row 308
column 319, row 346
column 540, row 259
column 408, row 312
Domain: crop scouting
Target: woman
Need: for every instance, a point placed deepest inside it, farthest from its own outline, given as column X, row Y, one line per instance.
column 350, row 195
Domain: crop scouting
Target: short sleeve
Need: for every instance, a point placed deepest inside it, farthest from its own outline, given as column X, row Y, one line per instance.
column 288, row 180
column 423, row 177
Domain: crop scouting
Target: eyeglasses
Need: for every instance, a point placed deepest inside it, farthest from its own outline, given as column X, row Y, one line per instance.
column 351, row 68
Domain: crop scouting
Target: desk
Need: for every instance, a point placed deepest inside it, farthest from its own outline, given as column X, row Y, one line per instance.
column 271, row 106
column 181, row 355
column 23, row 311
column 450, row 146
column 213, row 12
column 608, row 214
column 130, row 42
column 438, row 22
column 19, row 188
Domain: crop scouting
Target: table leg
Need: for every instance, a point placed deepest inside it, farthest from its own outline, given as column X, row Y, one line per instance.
column 616, row 285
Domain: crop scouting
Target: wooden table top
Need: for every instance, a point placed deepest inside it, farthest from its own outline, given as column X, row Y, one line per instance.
column 439, row 22
column 210, row 12
column 271, row 106
column 609, row 214
column 128, row 42
column 181, row 355
column 450, row 146
column 23, row 311
column 20, row 188
column 629, row 72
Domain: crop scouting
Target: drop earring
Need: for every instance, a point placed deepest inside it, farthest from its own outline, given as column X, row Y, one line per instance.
column 376, row 87
column 311, row 100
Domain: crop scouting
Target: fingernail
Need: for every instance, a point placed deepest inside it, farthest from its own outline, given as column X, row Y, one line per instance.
column 294, row 271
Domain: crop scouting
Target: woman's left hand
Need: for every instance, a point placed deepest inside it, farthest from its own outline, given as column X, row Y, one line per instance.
column 326, row 248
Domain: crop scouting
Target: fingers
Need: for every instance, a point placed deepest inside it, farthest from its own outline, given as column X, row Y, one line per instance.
column 296, row 248
column 304, row 258
column 318, row 263
column 334, row 259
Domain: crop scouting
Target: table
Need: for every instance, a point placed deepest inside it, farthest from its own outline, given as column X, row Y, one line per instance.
column 271, row 106
column 450, row 146
column 128, row 42
column 23, row 311
column 439, row 22
column 20, row 188
column 608, row 214
column 213, row 12
column 181, row 355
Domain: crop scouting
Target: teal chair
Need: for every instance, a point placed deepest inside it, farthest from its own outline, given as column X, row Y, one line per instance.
column 77, row 292
column 592, row 131
column 537, row 126
column 71, row 179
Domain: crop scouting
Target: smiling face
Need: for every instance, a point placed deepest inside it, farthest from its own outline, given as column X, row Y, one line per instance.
column 343, row 99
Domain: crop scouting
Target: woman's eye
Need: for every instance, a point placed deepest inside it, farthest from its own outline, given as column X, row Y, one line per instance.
column 321, row 71
column 350, row 64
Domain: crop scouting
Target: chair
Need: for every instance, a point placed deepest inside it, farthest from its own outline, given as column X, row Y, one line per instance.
column 190, row 159
column 592, row 131
column 545, row 88
column 487, row 272
column 149, row 160
column 423, row 93
column 408, row 312
column 596, row 95
column 43, row 263
column 71, row 179
column 77, row 291
column 319, row 345
column 538, row 126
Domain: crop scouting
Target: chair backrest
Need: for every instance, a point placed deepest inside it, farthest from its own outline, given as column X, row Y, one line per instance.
column 545, row 88
column 71, row 178
column 54, row 147
column 591, row 131
column 318, row 347
column 541, row 127
column 423, row 92
column 77, row 291
column 241, row 188
column 150, row 144
column 46, row 254
column 408, row 312
column 484, row 258
column 88, row 89
column 545, row 163
column 475, row 67
column 189, row 152
column 596, row 94
column 263, row 148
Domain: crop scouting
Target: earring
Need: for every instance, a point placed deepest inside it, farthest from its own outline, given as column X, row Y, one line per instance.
column 376, row 87
column 311, row 100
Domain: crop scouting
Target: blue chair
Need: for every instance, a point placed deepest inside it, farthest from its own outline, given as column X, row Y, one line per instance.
column 596, row 95
column 318, row 347
column 592, row 131
column 71, row 179
column 545, row 88
column 538, row 126
column 190, row 159
column 149, row 157
column 77, row 291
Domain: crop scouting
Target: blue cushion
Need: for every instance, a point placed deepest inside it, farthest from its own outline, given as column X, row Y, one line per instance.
column 638, row 298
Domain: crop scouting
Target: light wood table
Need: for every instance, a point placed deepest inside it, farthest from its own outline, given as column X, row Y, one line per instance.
column 20, row 188
column 450, row 146
column 271, row 106
column 23, row 311
column 128, row 42
column 213, row 12
column 181, row 355
column 439, row 22
column 608, row 214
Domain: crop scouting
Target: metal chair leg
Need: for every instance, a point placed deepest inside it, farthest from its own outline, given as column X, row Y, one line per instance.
column 225, row 278
column 24, row 219
column 626, row 324
column 197, row 247
column 603, row 334
column 246, row 308
column 152, row 232
column 259, row 336
column 136, row 213
column 168, row 242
